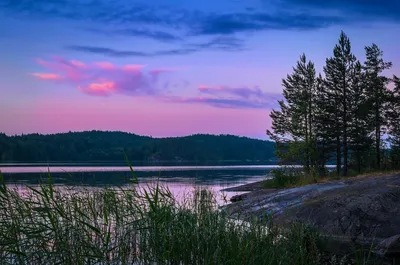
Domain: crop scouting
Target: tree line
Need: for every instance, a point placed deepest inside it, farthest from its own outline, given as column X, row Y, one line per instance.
column 112, row 146
column 350, row 113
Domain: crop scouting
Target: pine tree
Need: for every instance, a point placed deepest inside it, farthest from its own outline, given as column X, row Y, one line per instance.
column 359, row 140
column 394, row 125
column 325, row 110
column 293, row 125
column 376, row 85
column 338, row 86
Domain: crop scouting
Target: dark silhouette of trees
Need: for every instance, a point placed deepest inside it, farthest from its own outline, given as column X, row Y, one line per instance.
column 340, row 115
column 112, row 146
column 379, row 94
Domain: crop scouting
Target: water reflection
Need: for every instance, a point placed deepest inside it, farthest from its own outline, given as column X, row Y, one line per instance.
column 180, row 180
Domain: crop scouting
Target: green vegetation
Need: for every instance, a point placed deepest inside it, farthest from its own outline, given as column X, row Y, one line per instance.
column 288, row 178
column 138, row 226
column 342, row 115
column 112, row 146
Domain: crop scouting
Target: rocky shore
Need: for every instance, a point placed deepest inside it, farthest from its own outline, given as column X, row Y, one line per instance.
column 361, row 211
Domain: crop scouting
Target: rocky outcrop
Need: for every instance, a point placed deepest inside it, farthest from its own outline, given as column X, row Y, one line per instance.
column 355, row 210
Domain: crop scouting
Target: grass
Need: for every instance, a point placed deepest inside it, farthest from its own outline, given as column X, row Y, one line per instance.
column 48, row 225
column 289, row 178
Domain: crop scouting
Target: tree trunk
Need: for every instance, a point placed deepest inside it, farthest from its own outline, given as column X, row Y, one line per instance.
column 338, row 156
column 378, row 146
column 377, row 131
column 307, row 148
column 338, row 145
column 345, row 148
column 312, row 147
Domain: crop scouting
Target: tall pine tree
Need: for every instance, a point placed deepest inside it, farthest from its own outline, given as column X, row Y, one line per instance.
column 325, row 125
column 378, row 95
column 338, row 89
column 359, row 140
column 293, row 124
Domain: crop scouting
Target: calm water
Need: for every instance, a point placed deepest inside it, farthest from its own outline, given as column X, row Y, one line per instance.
column 180, row 180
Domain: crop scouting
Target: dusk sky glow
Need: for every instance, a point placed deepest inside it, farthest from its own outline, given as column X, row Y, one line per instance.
column 170, row 68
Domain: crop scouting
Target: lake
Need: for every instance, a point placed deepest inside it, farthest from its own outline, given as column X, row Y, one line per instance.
column 181, row 180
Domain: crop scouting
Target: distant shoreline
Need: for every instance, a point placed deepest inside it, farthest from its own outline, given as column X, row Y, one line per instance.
column 73, row 169
column 142, row 163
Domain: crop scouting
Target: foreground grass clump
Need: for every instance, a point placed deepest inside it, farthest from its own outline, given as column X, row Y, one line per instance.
column 48, row 225
column 289, row 178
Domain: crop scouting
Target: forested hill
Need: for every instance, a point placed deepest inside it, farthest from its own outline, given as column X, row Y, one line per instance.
column 111, row 146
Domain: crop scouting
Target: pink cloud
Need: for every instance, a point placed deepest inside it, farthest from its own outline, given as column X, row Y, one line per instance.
column 103, row 78
column 107, row 79
column 78, row 63
column 133, row 67
column 205, row 88
column 47, row 76
column 105, row 65
column 99, row 89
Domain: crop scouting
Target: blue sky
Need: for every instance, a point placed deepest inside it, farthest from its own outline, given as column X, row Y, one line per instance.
column 173, row 67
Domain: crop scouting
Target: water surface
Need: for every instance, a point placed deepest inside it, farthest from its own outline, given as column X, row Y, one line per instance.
column 181, row 180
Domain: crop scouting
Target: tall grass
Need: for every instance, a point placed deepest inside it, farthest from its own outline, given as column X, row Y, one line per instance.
column 132, row 225
column 289, row 178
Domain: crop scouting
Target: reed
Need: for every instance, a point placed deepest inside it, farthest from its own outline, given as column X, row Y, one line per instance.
column 132, row 225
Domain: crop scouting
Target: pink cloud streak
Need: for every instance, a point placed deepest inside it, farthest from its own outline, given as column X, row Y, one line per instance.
column 47, row 76
column 103, row 78
column 106, row 79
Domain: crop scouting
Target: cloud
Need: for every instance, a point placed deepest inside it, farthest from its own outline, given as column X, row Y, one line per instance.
column 107, row 79
column 247, row 22
column 365, row 10
column 224, row 103
column 103, row 78
column 134, row 32
column 47, row 76
column 232, row 97
column 136, row 19
column 242, row 92
column 107, row 51
column 219, row 43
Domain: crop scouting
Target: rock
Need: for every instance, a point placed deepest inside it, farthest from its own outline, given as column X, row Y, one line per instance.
column 237, row 198
column 358, row 209
column 390, row 247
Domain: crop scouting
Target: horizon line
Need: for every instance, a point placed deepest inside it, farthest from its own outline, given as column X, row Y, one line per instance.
column 132, row 133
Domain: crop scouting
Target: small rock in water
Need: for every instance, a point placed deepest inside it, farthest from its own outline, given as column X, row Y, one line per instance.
column 237, row 198
column 390, row 247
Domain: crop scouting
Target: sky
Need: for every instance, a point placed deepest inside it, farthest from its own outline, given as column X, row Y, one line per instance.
column 170, row 67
